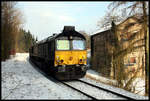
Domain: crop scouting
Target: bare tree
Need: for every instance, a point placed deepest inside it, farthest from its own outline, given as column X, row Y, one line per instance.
column 130, row 7
column 145, row 27
column 138, row 8
column 11, row 21
column 106, row 20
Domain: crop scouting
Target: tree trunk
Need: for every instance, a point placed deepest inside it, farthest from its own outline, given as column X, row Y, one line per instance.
column 146, row 50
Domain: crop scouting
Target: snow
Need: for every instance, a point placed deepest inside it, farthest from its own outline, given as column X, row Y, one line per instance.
column 99, row 94
column 103, row 82
column 109, row 26
column 20, row 80
column 95, row 75
column 101, row 30
column 139, row 83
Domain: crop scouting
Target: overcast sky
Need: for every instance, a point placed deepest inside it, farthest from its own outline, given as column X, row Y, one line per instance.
column 43, row 19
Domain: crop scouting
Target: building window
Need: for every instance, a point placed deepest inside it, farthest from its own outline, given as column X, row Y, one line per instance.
column 132, row 60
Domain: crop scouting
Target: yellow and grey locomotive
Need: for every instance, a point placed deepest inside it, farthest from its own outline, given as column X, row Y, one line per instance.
column 64, row 55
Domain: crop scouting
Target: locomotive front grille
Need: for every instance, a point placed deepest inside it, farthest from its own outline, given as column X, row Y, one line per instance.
column 70, row 72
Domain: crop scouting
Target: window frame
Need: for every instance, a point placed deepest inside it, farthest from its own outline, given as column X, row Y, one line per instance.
column 62, row 49
column 84, row 43
column 70, row 43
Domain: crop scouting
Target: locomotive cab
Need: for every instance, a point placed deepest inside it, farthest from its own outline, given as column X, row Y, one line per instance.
column 70, row 55
column 70, row 52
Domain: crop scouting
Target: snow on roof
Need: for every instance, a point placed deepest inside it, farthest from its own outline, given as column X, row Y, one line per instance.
column 109, row 27
column 101, row 30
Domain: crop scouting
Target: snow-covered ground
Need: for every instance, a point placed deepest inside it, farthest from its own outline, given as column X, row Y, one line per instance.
column 97, row 93
column 139, row 83
column 95, row 78
column 20, row 80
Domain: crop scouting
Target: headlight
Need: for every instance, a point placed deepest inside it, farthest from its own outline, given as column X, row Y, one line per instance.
column 58, row 61
column 58, row 57
column 83, row 68
column 80, row 60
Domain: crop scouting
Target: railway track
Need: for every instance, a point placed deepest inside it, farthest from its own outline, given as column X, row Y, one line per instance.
column 100, row 88
column 96, row 97
column 36, row 65
column 86, row 94
column 89, row 96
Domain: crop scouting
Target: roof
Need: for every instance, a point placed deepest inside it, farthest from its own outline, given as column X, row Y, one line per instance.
column 101, row 32
column 117, row 23
column 48, row 38
column 66, row 32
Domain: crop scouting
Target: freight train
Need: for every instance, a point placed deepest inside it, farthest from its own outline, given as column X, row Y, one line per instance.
column 63, row 55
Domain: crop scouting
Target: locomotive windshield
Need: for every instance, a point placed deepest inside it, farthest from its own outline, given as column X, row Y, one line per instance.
column 78, row 44
column 63, row 45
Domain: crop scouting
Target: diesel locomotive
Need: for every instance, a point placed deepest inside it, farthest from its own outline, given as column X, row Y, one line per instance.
column 63, row 55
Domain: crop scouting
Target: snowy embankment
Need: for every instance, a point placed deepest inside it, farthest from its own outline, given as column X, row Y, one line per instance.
column 104, row 83
column 20, row 80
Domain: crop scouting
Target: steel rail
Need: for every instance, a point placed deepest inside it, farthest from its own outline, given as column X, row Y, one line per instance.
column 129, row 98
column 93, row 98
column 49, row 77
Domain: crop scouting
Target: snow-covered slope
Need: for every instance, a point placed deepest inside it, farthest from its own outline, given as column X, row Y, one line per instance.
column 21, row 81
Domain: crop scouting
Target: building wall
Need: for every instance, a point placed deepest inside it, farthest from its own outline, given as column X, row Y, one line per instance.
column 102, row 44
column 132, row 28
column 101, row 53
